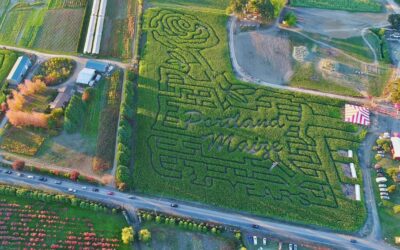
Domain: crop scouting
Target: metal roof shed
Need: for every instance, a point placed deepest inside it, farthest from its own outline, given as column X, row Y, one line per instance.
column 98, row 66
column 85, row 76
column 19, row 69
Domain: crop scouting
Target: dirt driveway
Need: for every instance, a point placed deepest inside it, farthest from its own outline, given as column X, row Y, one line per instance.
column 337, row 24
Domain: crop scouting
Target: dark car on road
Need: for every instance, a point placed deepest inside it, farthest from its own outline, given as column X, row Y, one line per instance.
column 255, row 226
column 42, row 179
column 8, row 172
column 174, row 205
column 353, row 241
column 95, row 189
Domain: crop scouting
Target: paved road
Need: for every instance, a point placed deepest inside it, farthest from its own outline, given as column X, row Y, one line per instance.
column 78, row 59
column 201, row 212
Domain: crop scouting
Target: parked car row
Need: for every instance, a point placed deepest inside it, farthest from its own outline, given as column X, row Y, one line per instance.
column 383, row 191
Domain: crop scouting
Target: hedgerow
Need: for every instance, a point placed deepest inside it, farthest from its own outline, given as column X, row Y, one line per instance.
column 124, row 136
column 204, row 136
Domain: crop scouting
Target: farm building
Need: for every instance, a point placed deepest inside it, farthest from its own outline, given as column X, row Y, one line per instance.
column 19, row 70
column 100, row 67
column 86, row 76
column 357, row 115
column 63, row 97
column 395, row 147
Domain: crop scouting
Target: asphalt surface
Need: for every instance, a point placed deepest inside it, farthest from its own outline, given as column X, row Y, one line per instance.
column 332, row 239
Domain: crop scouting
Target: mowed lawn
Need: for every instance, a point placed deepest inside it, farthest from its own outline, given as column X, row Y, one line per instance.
column 204, row 136
column 60, row 30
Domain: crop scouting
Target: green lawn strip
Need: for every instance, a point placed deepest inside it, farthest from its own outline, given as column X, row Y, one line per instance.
column 349, row 5
column 354, row 46
column 303, row 79
column 197, row 138
column 204, row 4
column 91, row 120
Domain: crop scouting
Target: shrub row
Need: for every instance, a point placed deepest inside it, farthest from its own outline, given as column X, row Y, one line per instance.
column 186, row 223
column 51, row 197
column 124, row 135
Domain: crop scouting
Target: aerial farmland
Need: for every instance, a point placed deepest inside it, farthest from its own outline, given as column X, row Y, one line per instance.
column 199, row 124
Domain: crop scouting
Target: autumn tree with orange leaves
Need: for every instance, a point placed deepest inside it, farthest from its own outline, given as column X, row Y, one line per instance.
column 16, row 115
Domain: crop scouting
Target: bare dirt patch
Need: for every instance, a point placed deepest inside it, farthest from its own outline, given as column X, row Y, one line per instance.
column 337, row 24
column 265, row 54
column 69, row 151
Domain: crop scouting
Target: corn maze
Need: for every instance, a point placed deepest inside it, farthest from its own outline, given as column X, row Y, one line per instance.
column 206, row 137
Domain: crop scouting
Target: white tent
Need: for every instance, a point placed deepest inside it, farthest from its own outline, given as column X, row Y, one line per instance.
column 357, row 115
column 358, row 192
column 85, row 76
column 353, row 170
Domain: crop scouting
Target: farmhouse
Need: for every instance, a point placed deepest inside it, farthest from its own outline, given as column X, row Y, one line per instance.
column 86, row 76
column 19, row 70
column 63, row 97
column 100, row 67
column 395, row 147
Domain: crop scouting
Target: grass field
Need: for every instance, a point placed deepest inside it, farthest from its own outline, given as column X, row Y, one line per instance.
column 350, row 5
column 21, row 141
column 206, row 137
column 217, row 4
column 40, row 225
column 7, row 60
column 302, row 79
column 60, row 30
column 47, row 25
column 119, row 28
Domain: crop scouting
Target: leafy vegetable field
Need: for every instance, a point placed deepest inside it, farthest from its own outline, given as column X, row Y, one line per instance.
column 204, row 136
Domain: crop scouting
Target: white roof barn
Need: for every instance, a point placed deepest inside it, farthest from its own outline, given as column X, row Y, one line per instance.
column 85, row 76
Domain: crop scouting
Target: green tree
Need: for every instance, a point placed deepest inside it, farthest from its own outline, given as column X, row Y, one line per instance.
column 394, row 20
column 290, row 19
column 396, row 209
column 392, row 188
column 127, row 235
column 144, row 235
